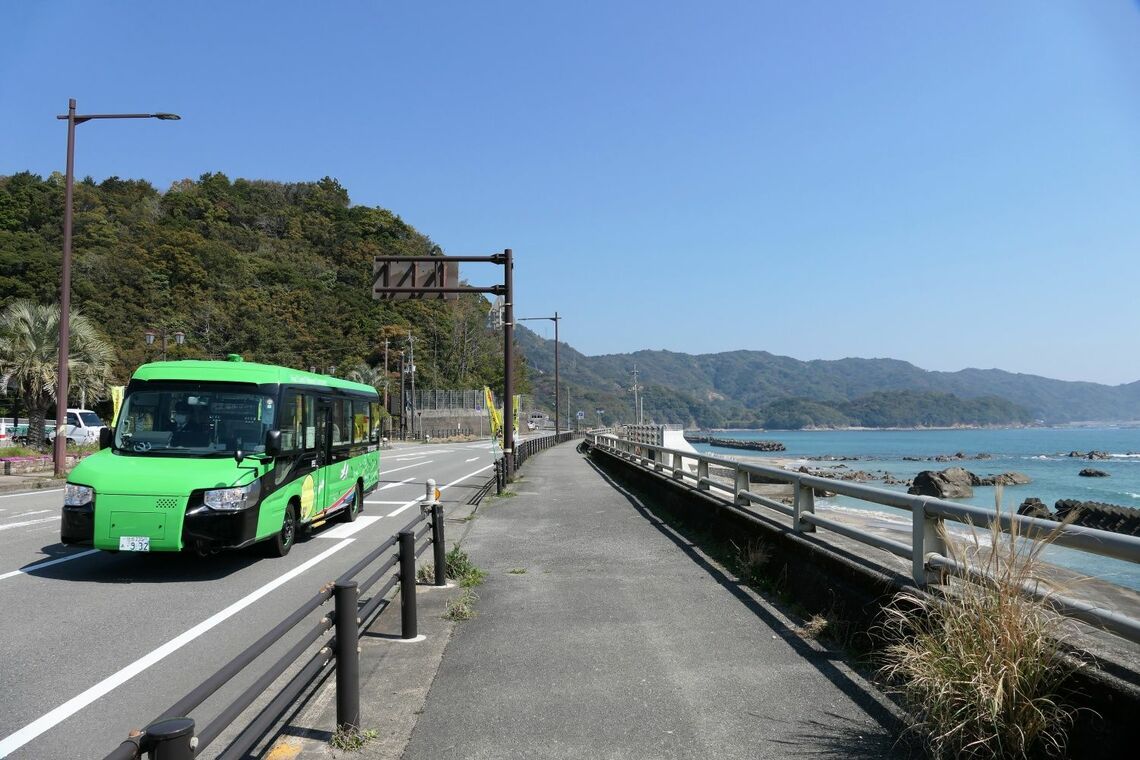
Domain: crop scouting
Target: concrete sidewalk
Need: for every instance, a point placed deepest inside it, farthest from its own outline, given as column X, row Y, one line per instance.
column 602, row 633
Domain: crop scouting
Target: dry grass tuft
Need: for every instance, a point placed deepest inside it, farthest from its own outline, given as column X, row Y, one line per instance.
column 979, row 664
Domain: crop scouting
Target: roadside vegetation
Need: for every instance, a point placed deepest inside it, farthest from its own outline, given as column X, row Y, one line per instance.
column 980, row 666
column 352, row 739
column 459, row 568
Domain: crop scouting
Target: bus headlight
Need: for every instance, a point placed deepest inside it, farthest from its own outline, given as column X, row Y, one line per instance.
column 233, row 498
column 77, row 496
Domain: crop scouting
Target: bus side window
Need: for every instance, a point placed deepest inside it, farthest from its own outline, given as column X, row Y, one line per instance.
column 360, row 416
column 292, row 408
column 310, row 423
column 374, row 430
column 341, row 422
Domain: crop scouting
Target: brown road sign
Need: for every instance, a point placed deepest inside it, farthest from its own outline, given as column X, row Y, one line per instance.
column 427, row 275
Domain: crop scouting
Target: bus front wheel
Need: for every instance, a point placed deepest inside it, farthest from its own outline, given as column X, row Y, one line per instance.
column 280, row 544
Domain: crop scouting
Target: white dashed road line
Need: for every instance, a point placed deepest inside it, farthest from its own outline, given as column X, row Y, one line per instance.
column 13, row 742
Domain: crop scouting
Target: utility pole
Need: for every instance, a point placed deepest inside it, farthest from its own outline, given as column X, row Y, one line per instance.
column 403, row 398
column 636, row 398
column 386, row 380
column 412, row 376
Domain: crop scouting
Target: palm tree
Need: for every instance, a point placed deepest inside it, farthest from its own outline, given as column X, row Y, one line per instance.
column 363, row 373
column 29, row 356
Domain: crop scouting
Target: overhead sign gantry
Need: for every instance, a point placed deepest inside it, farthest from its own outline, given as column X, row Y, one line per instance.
column 425, row 277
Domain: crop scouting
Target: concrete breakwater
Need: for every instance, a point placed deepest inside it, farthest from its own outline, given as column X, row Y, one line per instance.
column 733, row 443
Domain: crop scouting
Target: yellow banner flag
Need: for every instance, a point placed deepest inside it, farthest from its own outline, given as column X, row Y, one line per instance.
column 117, row 392
column 518, row 398
column 493, row 414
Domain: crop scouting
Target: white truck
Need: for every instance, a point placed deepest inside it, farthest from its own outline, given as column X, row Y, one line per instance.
column 81, row 426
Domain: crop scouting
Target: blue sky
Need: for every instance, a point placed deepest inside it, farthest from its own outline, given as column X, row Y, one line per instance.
column 954, row 184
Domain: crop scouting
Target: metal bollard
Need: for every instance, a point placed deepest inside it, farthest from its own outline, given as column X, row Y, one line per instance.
column 347, row 655
column 170, row 739
column 437, row 545
column 408, row 624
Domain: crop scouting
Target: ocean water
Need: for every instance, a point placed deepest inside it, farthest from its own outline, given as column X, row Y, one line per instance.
column 1040, row 453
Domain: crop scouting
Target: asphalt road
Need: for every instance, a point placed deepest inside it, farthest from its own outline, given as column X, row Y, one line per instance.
column 93, row 644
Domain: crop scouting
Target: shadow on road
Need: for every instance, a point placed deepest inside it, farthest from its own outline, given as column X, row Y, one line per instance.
column 157, row 567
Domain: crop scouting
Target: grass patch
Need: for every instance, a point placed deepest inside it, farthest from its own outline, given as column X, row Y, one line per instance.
column 351, row 739
column 457, row 566
column 517, row 571
column 814, row 628
column 980, row 664
column 462, row 569
column 461, row 607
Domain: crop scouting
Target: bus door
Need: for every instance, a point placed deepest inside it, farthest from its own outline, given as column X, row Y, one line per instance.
column 324, row 454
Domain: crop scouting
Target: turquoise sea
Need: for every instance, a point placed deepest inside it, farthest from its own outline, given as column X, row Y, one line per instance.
column 1040, row 453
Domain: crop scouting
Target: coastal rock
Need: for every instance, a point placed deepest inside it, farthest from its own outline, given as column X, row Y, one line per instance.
column 1004, row 479
column 1089, row 472
column 1034, row 507
column 1094, row 454
column 951, row 483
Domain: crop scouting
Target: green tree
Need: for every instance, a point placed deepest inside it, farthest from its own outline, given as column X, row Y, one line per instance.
column 29, row 351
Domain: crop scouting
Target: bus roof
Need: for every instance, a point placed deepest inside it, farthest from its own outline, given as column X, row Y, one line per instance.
column 235, row 371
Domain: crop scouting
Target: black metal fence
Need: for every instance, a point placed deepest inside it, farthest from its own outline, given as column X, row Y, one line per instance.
column 171, row 736
column 524, row 450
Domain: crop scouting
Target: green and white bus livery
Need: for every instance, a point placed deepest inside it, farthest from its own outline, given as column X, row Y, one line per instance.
column 211, row 455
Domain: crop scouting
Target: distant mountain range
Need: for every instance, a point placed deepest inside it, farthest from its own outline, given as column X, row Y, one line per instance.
column 760, row 389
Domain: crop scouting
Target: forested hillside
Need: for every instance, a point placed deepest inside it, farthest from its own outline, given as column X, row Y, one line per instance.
column 759, row 389
column 277, row 272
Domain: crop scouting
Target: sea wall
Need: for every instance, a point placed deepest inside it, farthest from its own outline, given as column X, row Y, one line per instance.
column 838, row 579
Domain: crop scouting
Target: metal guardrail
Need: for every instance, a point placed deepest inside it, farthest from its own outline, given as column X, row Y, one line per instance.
column 171, row 736
column 926, row 551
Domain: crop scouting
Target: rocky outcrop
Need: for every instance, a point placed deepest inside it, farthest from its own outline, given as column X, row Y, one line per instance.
column 1004, row 479
column 958, row 456
column 1089, row 514
column 1089, row 472
column 951, row 483
column 1094, row 454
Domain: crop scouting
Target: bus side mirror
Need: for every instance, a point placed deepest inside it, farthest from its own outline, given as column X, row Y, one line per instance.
column 106, row 435
column 273, row 442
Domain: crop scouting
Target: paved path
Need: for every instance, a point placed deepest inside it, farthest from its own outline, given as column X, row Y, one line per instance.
column 602, row 633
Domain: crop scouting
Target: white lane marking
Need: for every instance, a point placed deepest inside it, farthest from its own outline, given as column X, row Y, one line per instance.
column 30, row 568
column 376, row 501
column 8, row 526
column 441, row 488
column 404, row 459
column 468, row 475
column 34, row 512
column 13, row 742
column 406, row 505
column 393, row 485
column 30, row 493
column 344, row 530
column 472, row 459
column 405, row 467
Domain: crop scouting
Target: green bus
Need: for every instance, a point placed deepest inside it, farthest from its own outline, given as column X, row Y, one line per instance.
column 212, row 455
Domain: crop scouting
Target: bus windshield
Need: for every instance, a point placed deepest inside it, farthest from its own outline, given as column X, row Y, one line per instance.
column 194, row 419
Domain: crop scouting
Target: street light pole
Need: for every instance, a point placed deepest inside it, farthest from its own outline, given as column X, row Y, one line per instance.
column 62, row 379
column 555, row 319
column 179, row 339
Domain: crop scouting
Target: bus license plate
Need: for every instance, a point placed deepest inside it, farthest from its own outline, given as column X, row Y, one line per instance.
column 134, row 543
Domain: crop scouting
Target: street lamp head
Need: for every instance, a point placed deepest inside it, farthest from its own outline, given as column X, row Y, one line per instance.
column 168, row 116
column 180, row 337
column 150, row 335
